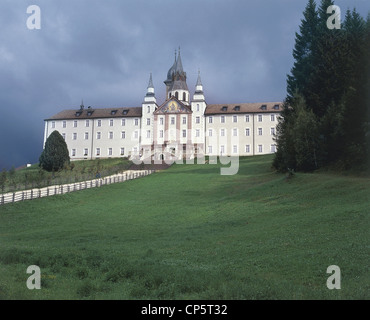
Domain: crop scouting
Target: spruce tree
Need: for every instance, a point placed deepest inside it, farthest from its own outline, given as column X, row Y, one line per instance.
column 305, row 41
column 55, row 154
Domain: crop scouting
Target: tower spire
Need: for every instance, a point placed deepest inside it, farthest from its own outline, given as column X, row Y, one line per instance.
column 150, row 85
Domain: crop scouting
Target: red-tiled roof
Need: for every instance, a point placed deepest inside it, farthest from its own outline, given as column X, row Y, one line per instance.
column 92, row 113
column 227, row 108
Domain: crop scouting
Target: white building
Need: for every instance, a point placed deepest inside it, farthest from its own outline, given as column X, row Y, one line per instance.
column 180, row 127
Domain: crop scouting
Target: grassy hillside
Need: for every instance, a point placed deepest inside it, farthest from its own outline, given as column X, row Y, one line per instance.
column 190, row 233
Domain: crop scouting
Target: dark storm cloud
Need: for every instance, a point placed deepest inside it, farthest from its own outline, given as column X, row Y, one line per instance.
column 103, row 52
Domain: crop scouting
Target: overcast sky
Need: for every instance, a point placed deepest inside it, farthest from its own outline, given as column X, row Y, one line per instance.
column 103, row 52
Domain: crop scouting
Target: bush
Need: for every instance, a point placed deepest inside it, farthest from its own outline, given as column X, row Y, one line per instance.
column 55, row 154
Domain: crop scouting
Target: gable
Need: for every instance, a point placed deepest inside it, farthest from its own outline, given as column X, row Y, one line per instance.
column 173, row 106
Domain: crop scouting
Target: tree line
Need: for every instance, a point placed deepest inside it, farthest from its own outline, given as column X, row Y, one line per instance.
column 325, row 119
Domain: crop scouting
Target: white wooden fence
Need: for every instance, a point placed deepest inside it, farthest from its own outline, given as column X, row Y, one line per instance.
column 65, row 188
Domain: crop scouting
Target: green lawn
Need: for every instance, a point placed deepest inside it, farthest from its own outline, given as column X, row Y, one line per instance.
column 190, row 233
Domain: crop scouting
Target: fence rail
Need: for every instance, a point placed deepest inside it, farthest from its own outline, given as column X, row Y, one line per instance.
column 36, row 193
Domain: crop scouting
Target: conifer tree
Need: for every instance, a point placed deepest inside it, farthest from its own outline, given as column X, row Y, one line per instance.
column 305, row 41
column 55, row 154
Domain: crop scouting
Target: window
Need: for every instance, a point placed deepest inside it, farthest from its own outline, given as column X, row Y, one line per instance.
column 161, row 121
column 125, row 112
column 260, row 131
column 89, row 113
column 148, row 121
column 247, row 118
column 272, row 131
column 197, row 120
column 87, row 123
column 210, row 120
column 184, row 133
column 148, row 134
column 222, row 132
column 210, row 132
column 122, row 151
column 209, row 149
column 113, row 112
column 183, row 120
column 222, row 149
column 247, row 148
column 247, row 132
column 176, row 95
column 136, row 122
column 74, row 136
column 161, row 133
column 235, row 149
column 148, row 109
column 110, row 151
column 73, row 152
column 235, row 118
column 260, row 148
column 197, row 133
column 172, row 120
column 64, row 136
column 111, row 122
column 86, row 136
column 123, row 135
column 260, row 118
column 184, row 96
column 273, row 148
column 64, row 124
column 222, row 119
column 99, row 123
column 198, row 107
column 53, row 124
column 75, row 124
column 98, row 151
column 123, row 122
column 272, row 117
column 237, row 108
column 224, row 108
column 264, row 107
column 110, row 135
column 98, row 135
column 136, row 135
column 235, row 132
column 276, row 107
column 86, row 152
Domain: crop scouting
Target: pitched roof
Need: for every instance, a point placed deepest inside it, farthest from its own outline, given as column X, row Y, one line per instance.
column 234, row 108
column 93, row 113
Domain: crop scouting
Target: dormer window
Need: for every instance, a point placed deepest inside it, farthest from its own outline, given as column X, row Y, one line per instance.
column 264, row 107
column 78, row 113
column 113, row 112
column 276, row 107
column 224, row 108
column 125, row 112
column 237, row 108
column 89, row 113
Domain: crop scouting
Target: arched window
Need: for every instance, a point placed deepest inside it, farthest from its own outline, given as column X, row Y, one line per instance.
column 176, row 95
column 184, row 96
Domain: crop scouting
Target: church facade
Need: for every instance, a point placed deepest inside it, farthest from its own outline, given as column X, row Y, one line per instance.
column 182, row 127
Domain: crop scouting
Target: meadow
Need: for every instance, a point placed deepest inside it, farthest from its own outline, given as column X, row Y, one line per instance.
column 190, row 233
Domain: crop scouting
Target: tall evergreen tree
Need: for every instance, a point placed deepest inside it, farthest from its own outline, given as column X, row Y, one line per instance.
column 305, row 41
column 55, row 154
